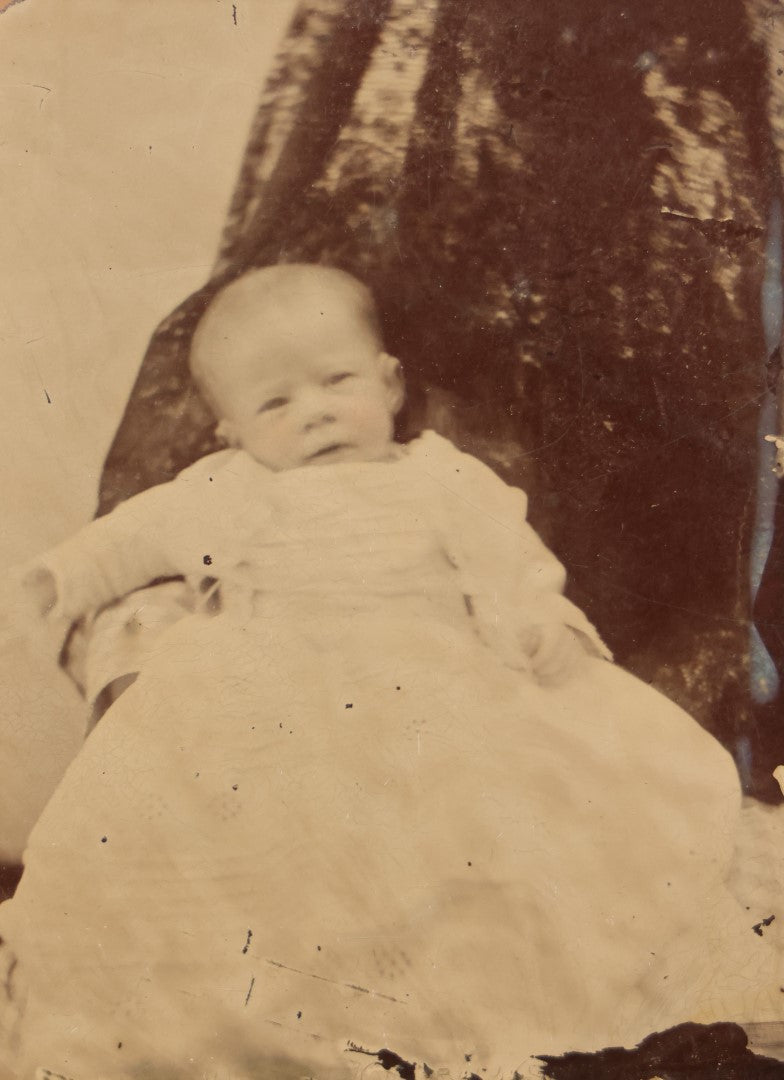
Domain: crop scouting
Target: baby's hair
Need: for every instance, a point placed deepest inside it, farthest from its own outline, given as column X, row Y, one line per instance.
column 286, row 287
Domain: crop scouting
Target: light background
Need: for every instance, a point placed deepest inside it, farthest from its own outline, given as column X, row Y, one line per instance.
column 122, row 126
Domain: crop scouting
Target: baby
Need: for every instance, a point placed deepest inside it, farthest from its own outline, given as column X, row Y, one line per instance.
column 368, row 803
column 291, row 361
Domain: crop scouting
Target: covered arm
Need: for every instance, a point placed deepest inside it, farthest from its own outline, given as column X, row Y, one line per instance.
column 113, row 555
column 159, row 533
column 172, row 528
column 511, row 579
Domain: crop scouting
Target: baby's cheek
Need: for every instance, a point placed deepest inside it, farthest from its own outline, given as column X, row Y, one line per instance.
column 360, row 413
column 264, row 436
column 376, row 413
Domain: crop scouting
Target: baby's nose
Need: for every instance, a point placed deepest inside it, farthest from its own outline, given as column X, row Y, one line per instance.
column 317, row 411
column 319, row 420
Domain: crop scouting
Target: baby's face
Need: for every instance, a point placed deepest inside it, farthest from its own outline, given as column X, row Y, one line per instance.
column 313, row 393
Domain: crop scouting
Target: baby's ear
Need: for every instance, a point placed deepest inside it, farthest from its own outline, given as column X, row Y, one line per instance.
column 392, row 374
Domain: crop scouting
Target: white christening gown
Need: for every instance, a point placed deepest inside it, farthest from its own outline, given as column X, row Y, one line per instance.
column 341, row 813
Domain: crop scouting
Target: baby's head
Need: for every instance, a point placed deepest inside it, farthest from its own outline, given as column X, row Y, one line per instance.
column 290, row 359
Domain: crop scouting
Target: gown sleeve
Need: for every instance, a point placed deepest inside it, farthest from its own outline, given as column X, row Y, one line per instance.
column 510, row 578
column 138, row 542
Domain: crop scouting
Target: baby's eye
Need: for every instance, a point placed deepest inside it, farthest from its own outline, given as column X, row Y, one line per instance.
column 272, row 404
column 339, row 377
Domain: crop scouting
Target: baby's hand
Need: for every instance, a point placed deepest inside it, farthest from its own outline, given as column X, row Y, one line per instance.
column 27, row 596
column 39, row 587
column 555, row 651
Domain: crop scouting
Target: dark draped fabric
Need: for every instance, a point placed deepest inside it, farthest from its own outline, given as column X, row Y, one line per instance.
column 562, row 211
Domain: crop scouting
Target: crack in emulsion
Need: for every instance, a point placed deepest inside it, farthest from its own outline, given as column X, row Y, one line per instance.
column 335, row 982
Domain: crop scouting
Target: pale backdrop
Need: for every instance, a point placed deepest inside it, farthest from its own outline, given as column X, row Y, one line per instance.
column 121, row 130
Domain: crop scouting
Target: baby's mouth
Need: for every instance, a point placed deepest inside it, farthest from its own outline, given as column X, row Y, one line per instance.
column 325, row 451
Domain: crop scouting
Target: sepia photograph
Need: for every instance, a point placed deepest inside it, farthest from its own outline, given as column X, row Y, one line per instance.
column 392, row 625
